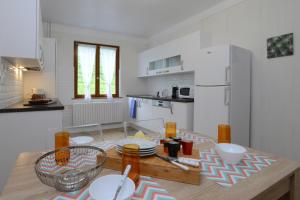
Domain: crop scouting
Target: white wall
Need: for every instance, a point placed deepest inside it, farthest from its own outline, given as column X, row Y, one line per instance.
column 44, row 79
column 129, row 48
column 11, row 84
column 275, row 82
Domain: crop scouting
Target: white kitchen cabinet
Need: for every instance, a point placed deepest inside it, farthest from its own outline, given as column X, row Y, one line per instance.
column 24, row 132
column 143, row 65
column 177, row 56
column 144, row 109
column 22, row 32
column 181, row 113
column 160, row 112
column 190, row 48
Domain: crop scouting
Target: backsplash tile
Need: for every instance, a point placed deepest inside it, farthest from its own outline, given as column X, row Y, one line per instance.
column 159, row 83
column 11, row 84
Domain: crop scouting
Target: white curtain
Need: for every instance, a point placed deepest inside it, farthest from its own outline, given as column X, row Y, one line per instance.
column 87, row 55
column 108, row 64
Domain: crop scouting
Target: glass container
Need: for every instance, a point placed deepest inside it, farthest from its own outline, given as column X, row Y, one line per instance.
column 131, row 156
column 224, row 135
column 62, row 156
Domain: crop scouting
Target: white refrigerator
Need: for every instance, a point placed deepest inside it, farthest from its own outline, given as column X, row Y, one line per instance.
column 222, row 92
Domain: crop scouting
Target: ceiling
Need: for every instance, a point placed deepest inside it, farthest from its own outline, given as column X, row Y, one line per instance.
column 141, row 18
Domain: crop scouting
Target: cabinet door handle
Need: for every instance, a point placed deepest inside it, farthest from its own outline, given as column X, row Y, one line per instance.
column 227, row 96
column 41, row 56
column 181, row 67
column 227, row 75
column 171, row 108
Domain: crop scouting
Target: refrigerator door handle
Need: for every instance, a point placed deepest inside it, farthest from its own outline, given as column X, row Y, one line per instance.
column 227, row 75
column 227, row 96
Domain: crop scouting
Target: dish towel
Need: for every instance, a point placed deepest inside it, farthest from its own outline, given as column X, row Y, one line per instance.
column 147, row 189
column 133, row 108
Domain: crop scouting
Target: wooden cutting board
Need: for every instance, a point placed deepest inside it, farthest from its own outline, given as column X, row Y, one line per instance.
column 158, row 168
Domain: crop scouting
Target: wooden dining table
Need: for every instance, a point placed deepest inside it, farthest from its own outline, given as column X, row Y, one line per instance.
column 280, row 180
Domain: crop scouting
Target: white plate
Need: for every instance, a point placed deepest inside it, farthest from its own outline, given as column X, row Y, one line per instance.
column 144, row 144
column 141, row 150
column 104, row 188
column 141, row 154
column 81, row 140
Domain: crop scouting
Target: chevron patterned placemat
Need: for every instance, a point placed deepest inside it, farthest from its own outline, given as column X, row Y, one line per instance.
column 195, row 137
column 226, row 174
column 105, row 145
column 146, row 190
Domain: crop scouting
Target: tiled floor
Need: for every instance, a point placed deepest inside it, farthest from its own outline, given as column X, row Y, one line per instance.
column 113, row 134
column 108, row 134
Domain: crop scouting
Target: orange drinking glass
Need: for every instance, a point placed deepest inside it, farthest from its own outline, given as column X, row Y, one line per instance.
column 131, row 156
column 62, row 156
column 170, row 129
column 224, row 135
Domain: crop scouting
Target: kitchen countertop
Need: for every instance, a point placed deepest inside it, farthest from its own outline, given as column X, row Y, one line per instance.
column 182, row 100
column 19, row 107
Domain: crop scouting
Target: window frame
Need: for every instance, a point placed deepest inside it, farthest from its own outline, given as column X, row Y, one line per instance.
column 97, row 65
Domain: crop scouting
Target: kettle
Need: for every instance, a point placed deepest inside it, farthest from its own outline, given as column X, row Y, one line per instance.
column 174, row 92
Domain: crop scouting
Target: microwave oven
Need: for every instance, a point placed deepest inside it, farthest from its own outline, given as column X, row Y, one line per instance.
column 186, row 92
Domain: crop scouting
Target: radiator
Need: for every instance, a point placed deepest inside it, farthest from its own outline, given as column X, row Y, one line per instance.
column 97, row 112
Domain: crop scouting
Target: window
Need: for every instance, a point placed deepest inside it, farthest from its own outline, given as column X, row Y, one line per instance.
column 96, row 70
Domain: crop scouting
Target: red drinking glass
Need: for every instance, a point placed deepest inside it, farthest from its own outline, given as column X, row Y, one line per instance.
column 187, row 147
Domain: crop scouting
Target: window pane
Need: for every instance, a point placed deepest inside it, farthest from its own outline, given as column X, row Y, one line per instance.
column 80, row 82
column 107, row 69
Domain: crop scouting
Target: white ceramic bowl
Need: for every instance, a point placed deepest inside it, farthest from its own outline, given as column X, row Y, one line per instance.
column 230, row 153
column 104, row 188
column 81, row 140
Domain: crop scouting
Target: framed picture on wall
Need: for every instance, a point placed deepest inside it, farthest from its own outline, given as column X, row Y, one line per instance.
column 280, row 46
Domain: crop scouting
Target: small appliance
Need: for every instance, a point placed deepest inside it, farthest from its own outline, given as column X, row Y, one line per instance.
column 174, row 92
column 186, row 92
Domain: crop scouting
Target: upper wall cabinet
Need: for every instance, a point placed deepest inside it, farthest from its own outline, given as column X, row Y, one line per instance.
column 177, row 56
column 22, row 33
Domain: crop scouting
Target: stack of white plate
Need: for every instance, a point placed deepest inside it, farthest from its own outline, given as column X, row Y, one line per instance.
column 81, row 140
column 147, row 148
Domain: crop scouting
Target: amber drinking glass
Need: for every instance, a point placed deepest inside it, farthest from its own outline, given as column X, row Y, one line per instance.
column 62, row 156
column 131, row 156
column 224, row 135
column 170, row 129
